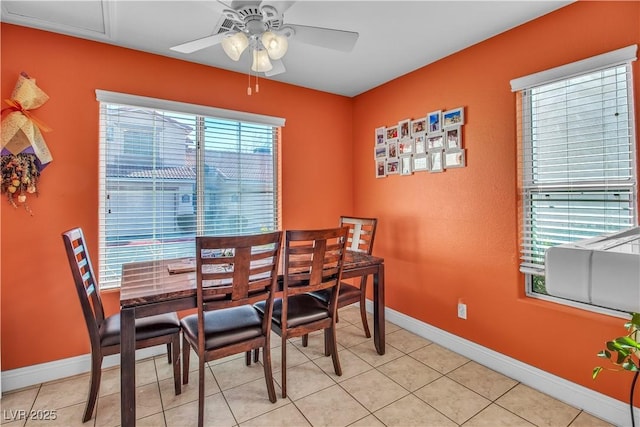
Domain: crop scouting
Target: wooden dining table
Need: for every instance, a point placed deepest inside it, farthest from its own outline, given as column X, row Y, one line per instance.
column 148, row 288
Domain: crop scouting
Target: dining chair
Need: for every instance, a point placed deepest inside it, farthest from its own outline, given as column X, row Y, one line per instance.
column 313, row 261
column 104, row 332
column 362, row 232
column 232, row 274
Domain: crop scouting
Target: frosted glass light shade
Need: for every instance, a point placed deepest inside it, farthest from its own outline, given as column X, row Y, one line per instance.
column 234, row 45
column 275, row 44
column 261, row 61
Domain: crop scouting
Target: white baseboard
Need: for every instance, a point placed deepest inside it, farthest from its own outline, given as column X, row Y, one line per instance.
column 35, row 374
column 596, row 404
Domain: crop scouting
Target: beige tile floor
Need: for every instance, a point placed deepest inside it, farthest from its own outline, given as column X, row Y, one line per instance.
column 416, row 383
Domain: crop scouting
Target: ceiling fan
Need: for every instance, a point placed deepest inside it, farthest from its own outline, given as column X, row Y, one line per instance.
column 260, row 27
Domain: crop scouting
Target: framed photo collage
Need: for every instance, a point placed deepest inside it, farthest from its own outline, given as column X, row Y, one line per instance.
column 428, row 144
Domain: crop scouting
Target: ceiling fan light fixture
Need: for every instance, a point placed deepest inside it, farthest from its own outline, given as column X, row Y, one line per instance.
column 234, row 45
column 261, row 61
column 275, row 44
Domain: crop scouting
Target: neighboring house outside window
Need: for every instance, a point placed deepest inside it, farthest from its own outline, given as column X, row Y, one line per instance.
column 577, row 149
column 167, row 176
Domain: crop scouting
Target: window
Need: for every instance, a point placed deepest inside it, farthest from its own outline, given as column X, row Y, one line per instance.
column 170, row 171
column 577, row 152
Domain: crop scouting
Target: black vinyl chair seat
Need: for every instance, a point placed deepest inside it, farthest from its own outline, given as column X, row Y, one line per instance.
column 146, row 328
column 302, row 309
column 225, row 327
column 347, row 293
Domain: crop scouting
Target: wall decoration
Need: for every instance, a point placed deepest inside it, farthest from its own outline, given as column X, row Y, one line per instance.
column 405, row 166
column 432, row 143
column 453, row 117
column 454, row 158
column 453, row 137
column 418, row 127
column 405, row 147
column 434, row 121
column 380, row 136
column 420, row 163
column 392, row 150
column 404, row 129
column 392, row 133
column 381, row 165
column 393, row 166
column 24, row 151
column 435, row 140
column 435, row 161
column 419, row 145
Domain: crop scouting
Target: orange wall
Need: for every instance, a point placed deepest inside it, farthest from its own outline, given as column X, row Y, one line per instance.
column 452, row 235
column 444, row 236
column 41, row 317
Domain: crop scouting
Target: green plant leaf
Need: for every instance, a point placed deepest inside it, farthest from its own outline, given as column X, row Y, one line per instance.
column 596, row 371
column 627, row 342
column 629, row 366
column 621, row 358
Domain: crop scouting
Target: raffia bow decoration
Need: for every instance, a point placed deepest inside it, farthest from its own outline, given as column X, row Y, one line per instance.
column 24, row 151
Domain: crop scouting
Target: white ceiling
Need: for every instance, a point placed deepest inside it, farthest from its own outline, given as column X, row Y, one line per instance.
column 396, row 37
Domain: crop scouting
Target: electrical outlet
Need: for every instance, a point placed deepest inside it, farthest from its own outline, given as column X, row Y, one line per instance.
column 462, row 310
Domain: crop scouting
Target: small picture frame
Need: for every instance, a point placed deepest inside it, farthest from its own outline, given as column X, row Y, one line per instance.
column 420, row 163
column 453, row 137
column 380, row 151
column 453, row 117
column 434, row 121
column 405, row 147
column 380, row 136
column 381, row 168
column 404, row 129
column 405, row 166
column 392, row 150
column 418, row 127
column 393, row 166
column 435, row 140
column 419, row 144
column 392, row 133
column 454, row 159
column 435, row 161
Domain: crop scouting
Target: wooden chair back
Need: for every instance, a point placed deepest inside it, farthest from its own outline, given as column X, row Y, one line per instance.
column 362, row 232
column 85, row 281
column 313, row 260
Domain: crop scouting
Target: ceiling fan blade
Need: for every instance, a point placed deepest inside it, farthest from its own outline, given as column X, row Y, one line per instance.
column 198, row 44
column 278, row 68
column 325, row 37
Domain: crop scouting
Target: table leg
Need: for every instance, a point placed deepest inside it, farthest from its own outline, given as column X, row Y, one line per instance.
column 127, row 367
column 378, row 310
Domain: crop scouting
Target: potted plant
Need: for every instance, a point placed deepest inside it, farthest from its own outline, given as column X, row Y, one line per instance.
column 624, row 353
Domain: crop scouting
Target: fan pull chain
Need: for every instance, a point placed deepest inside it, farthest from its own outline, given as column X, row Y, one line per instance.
column 257, row 85
column 249, row 85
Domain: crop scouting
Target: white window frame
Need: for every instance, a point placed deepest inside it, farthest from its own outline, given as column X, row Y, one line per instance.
column 200, row 113
column 623, row 56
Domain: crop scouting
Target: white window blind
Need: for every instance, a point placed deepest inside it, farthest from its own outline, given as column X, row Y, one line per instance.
column 577, row 150
column 170, row 174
